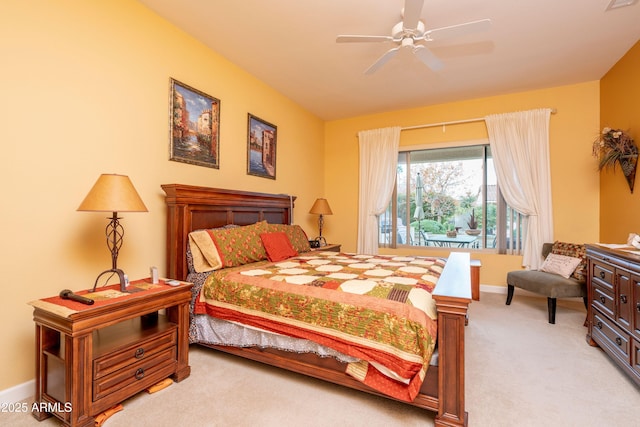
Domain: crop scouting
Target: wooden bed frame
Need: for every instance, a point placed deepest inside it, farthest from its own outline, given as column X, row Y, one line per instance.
column 443, row 391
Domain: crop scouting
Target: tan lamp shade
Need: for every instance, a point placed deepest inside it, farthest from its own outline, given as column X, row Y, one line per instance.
column 321, row 207
column 113, row 193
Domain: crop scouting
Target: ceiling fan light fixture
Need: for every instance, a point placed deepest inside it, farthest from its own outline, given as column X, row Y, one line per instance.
column 407, row 42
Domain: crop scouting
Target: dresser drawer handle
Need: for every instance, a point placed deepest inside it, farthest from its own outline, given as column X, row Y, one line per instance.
column 623, row 299
column 139, row 353
column 599, row 324
column 602, row 274
column 619, row 341
column 638, row 307
column 140, row 374
column 602, row 299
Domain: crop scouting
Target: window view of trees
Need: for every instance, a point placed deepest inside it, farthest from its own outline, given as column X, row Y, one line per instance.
column 447, row 197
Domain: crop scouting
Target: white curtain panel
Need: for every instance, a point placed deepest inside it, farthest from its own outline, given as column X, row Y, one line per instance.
column 520, row 148
column 378, row 161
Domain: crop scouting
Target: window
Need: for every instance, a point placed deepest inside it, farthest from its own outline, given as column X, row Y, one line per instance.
column 449, row 197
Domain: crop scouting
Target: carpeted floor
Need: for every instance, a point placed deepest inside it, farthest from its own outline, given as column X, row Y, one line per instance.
column 521, row 371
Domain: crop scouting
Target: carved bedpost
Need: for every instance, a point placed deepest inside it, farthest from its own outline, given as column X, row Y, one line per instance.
column 452, row 295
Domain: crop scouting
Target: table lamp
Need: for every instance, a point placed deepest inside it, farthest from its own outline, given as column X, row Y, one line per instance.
column 321, row 207
column 113, row 193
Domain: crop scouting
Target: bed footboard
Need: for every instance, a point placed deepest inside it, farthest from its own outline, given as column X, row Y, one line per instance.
column 452, row 295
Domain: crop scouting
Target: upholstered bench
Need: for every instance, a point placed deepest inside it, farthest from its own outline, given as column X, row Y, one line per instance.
column 552, row 285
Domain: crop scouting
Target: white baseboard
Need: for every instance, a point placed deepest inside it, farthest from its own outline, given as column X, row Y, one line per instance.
column 18, row 393
column 503, row 290
column 493, row 289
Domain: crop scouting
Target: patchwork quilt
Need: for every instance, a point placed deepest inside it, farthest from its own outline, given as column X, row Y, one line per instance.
column 378, row 309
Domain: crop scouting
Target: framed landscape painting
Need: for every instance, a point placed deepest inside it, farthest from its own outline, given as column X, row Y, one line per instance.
column 194, row 126
column 262, row 139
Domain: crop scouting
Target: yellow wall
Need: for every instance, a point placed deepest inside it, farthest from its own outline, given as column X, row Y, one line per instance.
column 85, row 92
column 86, row 87
column 574, row 181
column 620, row 109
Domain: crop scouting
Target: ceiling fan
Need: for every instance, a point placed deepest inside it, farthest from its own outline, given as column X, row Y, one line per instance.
column 411, row 30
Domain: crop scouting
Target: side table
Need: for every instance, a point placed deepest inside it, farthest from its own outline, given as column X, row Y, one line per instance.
column 90, row 358
column 331, row 247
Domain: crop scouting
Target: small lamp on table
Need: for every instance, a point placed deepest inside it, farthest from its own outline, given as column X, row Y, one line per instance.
column 113, row 193
column 321, row 207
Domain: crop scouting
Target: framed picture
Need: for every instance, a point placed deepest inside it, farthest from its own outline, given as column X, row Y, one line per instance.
column 262, row 139
column 194, row 126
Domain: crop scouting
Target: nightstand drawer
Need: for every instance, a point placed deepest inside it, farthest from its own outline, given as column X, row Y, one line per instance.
column 140, row 373
column 134, row 353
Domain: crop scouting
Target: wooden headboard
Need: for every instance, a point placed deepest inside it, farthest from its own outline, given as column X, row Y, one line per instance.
column 192, row 208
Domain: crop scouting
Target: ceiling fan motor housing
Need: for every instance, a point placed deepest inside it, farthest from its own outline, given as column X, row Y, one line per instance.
column 399, row 32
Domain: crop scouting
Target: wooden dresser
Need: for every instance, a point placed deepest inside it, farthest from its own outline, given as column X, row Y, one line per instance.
column 613, row 285
column 89, row 358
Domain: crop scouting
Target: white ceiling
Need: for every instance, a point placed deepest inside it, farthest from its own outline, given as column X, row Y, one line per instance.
column 291, row 45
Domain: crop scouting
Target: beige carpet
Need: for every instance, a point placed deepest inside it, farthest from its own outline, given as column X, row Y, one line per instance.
column 521, row 371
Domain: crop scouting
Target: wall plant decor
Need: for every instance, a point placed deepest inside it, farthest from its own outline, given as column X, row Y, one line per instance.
column 262, row 138
column 194, row 126
column 615, row 147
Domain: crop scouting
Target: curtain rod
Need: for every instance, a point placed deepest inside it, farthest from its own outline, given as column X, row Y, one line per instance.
column 455, row 122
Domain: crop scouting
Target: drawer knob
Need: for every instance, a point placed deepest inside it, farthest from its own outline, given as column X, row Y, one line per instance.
column 638, row 307
column 602, row 274
column 139, row 353
column 623, row 299
column 602, row 299
column 618, row 340
column 140, row 374
column 599, row 324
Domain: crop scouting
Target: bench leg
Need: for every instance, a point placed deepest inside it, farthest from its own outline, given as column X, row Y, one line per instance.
column 509, row 294
column 551, row 303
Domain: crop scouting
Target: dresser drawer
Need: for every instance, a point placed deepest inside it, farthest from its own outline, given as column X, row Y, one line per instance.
column 635, row 357
column 611, row 337
column 141, row 374
column 603, row 299
column 602, row 274
column 139, row 351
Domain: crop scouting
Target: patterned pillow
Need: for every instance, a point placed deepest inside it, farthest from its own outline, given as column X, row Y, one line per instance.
column 240, row 245
column 191, row 264
column 576, row 251
column 296, row 235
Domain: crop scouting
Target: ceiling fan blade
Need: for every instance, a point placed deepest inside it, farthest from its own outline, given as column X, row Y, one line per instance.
column 382, row 60
column 362, row 39
column 429, row 59
column 411, row 13
column 457, row 30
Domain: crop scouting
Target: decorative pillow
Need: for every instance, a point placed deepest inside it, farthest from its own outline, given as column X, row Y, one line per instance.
column 560, row 264
column 576, row 251
column 277, row 246
column 240, row 245
column 204, row 253
column 296, row 235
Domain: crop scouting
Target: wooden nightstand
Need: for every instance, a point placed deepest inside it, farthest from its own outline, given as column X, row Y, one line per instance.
column 331, row 247
column 90, row 358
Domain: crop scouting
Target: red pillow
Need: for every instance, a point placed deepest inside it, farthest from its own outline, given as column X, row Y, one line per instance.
column 277, row 245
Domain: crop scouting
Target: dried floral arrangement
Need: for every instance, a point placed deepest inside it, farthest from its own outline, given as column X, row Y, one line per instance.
column 611, row 146
column 615, row 146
